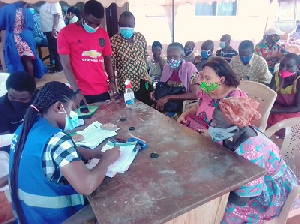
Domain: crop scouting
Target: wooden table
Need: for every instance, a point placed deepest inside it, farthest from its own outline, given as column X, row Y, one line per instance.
column 188, row 183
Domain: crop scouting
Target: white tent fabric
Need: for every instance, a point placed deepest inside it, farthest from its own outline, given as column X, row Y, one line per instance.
column 120, row 3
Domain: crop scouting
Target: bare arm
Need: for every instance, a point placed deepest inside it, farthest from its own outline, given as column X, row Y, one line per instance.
column 3, row 181
column 65, row 61
column 85, row 181
column 108, row 68
column 55, row 24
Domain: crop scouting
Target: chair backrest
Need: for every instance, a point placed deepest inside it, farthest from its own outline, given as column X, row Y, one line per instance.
column 291, row 144
column 262, row 94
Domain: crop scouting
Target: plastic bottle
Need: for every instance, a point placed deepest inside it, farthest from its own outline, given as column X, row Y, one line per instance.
column 129, row 94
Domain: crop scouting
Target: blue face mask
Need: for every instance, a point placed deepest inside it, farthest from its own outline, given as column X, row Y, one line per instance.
column 205, row 54
column 89, row 29
column 246, row 60
column 220, row 134
column 174, row 63
column 126, row 32
column 222, row 44
column 71, row 120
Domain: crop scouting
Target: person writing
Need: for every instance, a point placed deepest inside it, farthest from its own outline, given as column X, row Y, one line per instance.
column 82, row 56
column 260, row 200
column 217, row 81
column 46, row 173
column 286, row 83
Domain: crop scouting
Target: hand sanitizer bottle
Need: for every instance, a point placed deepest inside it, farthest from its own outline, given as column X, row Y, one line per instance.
column 129, row 94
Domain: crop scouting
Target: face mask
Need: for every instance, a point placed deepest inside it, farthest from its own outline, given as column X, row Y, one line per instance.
column 126, row 32
column 31, row 10
column 73, row 20
column 19, row 106
column 220, row 134
column 286, row 74
column 205, row 54
column 222, row 44
column 209, row 87
column 246, row 60
column 174, row 63
column 188, row 51
column 89, row 29
column 71, row 120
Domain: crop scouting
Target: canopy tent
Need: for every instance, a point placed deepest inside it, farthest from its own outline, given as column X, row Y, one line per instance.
column 170, row 6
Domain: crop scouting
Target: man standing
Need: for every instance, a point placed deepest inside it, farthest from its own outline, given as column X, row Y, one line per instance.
column 226, row 51
column 83, row 47
column 129, row 58
column 51, row 23
column 250, row 66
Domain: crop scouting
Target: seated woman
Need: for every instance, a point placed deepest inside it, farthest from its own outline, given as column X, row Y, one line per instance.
column 177, row 73
column 217, row 81
column 286, row 83
column 262, row 199
column 156, row 64
column 50, row 167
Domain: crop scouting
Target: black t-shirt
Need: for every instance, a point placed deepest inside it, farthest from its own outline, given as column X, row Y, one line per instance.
column 10, row 117
column 227, row 55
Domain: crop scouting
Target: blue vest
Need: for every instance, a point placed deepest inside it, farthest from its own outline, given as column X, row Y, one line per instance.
column 42, row 201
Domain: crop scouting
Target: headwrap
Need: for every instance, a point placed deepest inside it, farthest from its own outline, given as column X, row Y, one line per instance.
column 240, row 111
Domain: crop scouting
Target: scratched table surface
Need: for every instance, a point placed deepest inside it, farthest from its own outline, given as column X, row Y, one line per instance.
column 190, row 171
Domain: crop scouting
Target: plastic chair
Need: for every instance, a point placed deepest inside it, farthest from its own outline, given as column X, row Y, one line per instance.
column 291, row 153
column 262, row 94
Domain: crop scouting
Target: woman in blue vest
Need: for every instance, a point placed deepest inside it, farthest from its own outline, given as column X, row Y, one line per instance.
column 47, row 176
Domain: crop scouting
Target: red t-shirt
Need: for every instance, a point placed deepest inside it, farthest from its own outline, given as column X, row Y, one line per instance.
column 86, row 51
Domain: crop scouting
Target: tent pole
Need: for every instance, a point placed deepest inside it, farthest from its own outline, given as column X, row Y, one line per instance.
column 173, row 20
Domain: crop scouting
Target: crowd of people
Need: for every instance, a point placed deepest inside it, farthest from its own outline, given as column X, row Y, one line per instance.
column 96, row 68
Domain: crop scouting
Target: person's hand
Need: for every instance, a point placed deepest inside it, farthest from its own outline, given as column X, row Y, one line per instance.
column 111, row 156
column 181, row 119
column 151, row 95
column 161, row 103
column 203, row 132
column 54, row 33
column 113, row 90
column 79, row 97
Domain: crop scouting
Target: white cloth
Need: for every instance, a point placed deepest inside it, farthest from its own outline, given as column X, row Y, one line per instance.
column 4, row 170
column 3, row 78
column 6, row 139
column 47, row 12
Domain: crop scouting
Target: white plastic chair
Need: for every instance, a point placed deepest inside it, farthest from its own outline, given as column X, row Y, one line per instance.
column 291, row 154
column 3, row 78
column 262, row 94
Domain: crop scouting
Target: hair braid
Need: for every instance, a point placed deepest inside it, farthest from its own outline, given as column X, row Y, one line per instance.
column 51, row 93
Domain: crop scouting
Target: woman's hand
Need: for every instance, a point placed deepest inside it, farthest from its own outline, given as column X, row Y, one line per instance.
column 181, row 119
column 111, row 156
column 161, row 103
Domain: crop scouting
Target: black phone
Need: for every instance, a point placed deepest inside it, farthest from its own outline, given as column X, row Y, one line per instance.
column 84, row 109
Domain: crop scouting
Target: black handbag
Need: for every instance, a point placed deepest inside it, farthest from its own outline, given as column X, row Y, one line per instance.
column 163, row 89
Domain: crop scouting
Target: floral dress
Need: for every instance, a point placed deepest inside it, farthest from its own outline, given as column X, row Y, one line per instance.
column 22, row 46
column 267, row 193
column 207, row 105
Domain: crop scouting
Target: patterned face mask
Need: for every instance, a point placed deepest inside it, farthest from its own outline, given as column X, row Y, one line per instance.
column 220, row 134
column 174, row 63
column 208, row 87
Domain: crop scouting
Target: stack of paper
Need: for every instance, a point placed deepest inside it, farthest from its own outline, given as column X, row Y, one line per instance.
column 94, row 135
column 127, row 155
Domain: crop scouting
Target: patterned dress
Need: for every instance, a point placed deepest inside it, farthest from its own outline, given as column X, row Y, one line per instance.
column 207, row 105
column 22, row 46
column 130, row 60
column 267, row 193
